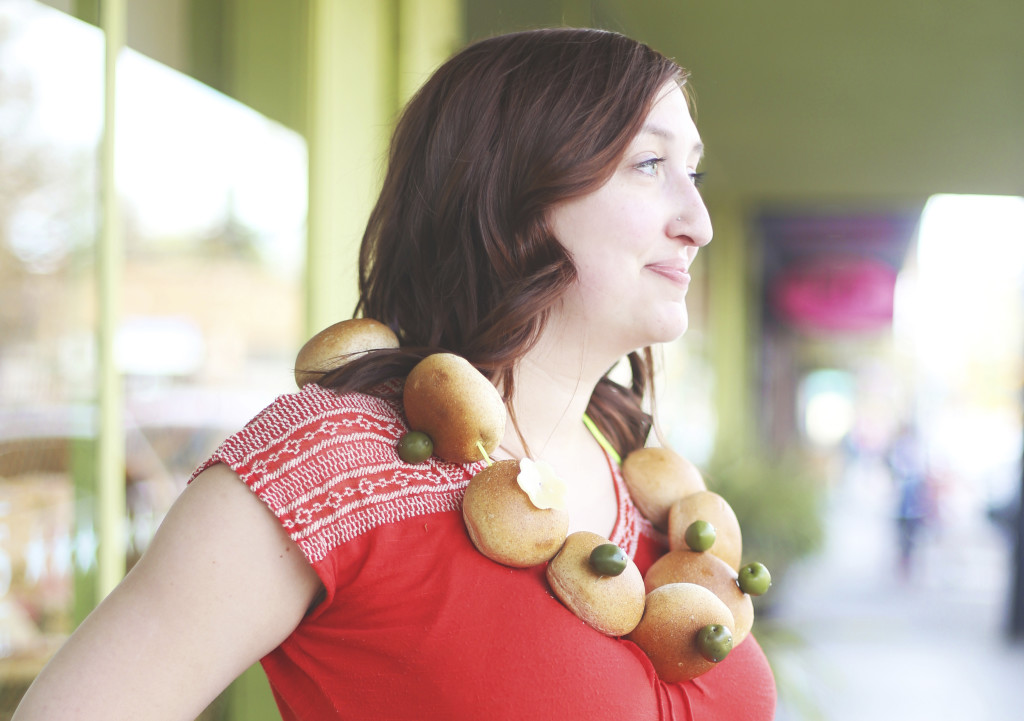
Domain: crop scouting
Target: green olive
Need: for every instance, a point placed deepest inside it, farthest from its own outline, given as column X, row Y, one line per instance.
column 700, row 535
column 714, row 642
column 754, row 579
column 415, row 447
column 608, row 559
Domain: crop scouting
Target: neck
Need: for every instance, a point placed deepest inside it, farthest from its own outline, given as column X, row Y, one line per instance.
column 553, row 386
column 554, row 382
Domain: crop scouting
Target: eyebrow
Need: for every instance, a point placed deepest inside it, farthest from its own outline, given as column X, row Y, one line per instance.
column 661, row 132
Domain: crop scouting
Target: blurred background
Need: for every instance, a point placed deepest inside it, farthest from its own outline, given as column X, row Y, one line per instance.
column 180, row 209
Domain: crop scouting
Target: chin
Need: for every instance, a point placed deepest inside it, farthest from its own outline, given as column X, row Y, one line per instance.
column 671, row 337
column 672, row 327
column 665, row 331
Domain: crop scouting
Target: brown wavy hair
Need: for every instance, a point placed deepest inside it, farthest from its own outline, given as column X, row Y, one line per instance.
column 457, row 255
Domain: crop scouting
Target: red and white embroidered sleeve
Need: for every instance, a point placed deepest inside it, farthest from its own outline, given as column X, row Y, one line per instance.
column 327, row 467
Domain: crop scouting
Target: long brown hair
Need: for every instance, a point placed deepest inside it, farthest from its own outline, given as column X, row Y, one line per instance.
column 457, row 255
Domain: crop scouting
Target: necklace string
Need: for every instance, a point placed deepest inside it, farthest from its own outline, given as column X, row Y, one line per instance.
column 598, row 436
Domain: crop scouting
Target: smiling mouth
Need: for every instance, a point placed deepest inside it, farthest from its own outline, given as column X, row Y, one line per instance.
column 678, row 275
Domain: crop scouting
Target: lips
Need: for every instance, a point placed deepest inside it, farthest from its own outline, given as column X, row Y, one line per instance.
column 674, row 271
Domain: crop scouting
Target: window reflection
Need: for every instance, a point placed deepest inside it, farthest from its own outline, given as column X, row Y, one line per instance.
column 214, row 198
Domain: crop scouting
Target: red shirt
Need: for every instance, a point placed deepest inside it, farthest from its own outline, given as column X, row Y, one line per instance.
column 416, row 623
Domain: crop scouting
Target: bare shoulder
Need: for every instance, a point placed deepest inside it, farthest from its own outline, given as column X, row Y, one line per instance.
column 220, row 586
column 227, row 537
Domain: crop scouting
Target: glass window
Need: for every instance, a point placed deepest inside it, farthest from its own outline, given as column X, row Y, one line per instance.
column 214, row 203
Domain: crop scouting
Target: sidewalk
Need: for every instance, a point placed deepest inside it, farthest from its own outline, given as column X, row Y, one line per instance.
column 869, row 645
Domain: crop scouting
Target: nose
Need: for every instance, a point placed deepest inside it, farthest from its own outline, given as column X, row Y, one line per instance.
column 692, row 223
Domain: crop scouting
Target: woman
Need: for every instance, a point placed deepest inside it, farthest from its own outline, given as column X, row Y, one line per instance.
column 539, row 217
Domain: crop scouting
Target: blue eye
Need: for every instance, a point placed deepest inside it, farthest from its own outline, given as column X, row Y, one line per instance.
column 697, row 179
column 650, row 167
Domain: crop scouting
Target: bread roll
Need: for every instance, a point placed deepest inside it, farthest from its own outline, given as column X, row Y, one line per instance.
column 669, row 630
column 611, row 604
column 337, row 344
column 657, row 478
column 504, row 525
column 711, row 572
column 711, row 507
column 453, row 403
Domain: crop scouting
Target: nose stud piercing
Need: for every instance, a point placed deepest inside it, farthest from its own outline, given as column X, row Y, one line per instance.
column 679, row 217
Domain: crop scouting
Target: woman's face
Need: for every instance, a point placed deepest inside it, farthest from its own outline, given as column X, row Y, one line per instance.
column 634, row 239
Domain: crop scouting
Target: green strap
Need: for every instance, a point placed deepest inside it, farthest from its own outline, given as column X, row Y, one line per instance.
column 599, row 437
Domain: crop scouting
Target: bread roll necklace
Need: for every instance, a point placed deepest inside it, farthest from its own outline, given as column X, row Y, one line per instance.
column 692, row 606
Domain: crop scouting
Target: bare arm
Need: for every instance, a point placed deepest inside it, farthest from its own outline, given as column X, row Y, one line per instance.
column 220, row 586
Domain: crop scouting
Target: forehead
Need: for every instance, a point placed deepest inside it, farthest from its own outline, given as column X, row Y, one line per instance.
column 669, row 118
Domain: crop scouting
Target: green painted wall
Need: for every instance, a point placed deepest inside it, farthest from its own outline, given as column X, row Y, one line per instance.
column 254, row 51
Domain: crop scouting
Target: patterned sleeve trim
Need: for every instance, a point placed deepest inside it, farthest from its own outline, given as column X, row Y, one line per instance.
column 327, row 467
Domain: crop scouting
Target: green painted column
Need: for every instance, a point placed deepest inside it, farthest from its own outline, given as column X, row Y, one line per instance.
column 349, row 113
column 364, row 61
column 429, row 32
column 83, row 465
column 731, row 328
column 110, row 457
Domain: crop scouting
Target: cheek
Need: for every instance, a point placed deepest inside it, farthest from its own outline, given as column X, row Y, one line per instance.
column 630, row 230
column 606, row 239
column 609, row 264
